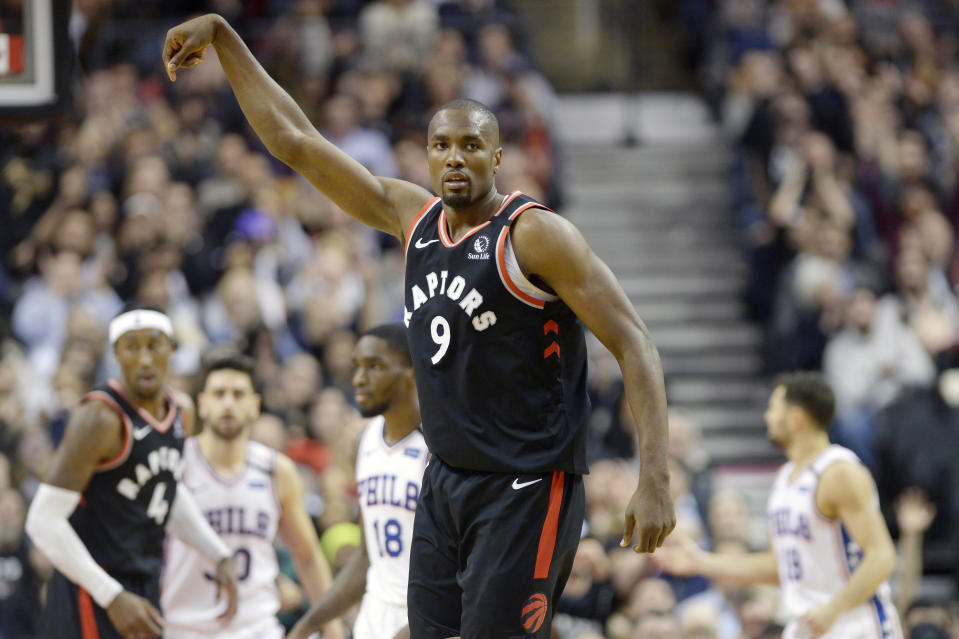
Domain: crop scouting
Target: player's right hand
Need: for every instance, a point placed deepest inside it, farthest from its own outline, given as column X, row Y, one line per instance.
column 227, row 586
column 135, row 617
column 185, row 43
column 680, row 557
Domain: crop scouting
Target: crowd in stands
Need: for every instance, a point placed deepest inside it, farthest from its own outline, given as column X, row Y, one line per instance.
column 847, row 123
column 844, row 118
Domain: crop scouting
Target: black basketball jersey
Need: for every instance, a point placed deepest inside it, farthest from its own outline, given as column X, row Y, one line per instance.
column 122, row 516
column 500, row 365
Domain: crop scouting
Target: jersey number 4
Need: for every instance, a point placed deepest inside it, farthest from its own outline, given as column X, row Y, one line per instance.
column 158, row 506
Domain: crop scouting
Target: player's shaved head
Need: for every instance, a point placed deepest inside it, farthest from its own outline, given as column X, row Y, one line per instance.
column 479, row 113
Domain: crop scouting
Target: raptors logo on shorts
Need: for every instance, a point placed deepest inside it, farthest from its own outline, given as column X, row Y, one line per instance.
column 534, row 612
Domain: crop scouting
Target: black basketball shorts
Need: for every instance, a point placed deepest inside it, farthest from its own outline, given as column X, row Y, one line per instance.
column 491, row 552
column 71, row 613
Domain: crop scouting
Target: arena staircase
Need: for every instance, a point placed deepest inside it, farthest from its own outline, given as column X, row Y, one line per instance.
column 647, row 185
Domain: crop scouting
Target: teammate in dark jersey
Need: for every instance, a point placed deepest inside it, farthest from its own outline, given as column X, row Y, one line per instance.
column 501, row 378
column 112, row 493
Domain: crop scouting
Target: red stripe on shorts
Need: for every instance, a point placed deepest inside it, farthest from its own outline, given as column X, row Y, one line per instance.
column 547, row 538
column 88, row 622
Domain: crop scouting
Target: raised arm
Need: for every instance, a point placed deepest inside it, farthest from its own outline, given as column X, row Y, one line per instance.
column 846, row 492
column 550, row 249
column 385, row 204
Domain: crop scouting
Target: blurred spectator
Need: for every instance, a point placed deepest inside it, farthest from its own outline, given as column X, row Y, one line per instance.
column 20, row 608
column 699, row 621
column 914, row 514
column 398, row 34
column 905, row 460
column 341, row 126
column 589, row 593
column 728, row 518
column 656, row 627
column 927, row 619
column 686, row 448
column 40, row 315
column 867, row 363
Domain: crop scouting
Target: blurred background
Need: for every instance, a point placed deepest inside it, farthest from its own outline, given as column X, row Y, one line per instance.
column 775, row 183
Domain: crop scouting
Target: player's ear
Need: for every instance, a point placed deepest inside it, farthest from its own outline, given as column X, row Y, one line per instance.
column 201, row 408
column 497, row 158
column 794, row 417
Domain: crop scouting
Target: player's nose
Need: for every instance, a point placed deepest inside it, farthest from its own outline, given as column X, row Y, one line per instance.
column 454, row 159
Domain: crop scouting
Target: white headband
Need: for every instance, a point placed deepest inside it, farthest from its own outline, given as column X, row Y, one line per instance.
column 138, row 319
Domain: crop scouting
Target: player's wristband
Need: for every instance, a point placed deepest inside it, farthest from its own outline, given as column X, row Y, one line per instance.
column 189, row 524
column 51, row 532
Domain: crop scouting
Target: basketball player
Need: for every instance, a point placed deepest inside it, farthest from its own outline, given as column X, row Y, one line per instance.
column 113, row 492
column 496, row 286
column 390, row 460
column 251, row 495
column 830, row 548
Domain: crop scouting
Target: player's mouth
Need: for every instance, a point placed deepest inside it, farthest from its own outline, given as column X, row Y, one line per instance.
column 361, row 396
column 455, row 181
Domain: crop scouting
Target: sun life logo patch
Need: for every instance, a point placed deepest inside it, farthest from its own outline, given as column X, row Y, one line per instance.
column 481, row 246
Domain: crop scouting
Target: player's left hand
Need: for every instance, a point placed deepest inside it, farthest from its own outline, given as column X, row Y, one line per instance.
column 816, row 622
column 650, row 512
column 226, row 584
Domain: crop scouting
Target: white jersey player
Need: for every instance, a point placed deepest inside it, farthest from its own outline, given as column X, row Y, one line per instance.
column 251, row 496
column 390, row 459
column 830, row 548
column 817, row 556
column 244, row 511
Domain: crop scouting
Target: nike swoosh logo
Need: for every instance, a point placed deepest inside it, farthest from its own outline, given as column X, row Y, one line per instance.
column 142, row 432
column 421, row 244
column 517, row 484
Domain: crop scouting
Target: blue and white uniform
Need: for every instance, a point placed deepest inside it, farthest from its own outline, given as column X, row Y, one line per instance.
column 817, row 555
column 388, row 480
column 245, row 512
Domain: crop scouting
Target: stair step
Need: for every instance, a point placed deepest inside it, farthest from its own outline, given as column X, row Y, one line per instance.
column 649, row 285
column 648, row 224
column 746, row 416
column 685, row 363
column 685, row 337
column 659, row 213
column 651, row 118
column 690, row 310
column 741, row 450
column 639, row 263
column 698, row 390
column 670, row 239
column 629, row 188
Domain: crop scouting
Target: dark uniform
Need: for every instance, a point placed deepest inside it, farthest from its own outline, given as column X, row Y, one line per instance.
column 501, row 375
column 122, row 516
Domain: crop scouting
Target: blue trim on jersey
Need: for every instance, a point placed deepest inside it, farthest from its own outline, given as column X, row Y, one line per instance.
column 852, row 553
column 885, row 628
